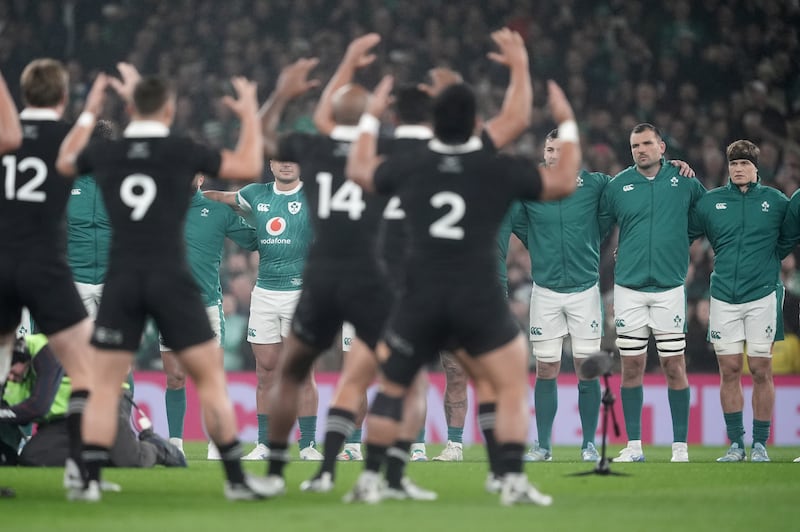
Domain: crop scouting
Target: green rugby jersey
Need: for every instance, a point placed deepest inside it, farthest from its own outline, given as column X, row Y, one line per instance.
column 283, row 226
column 88, row 232
column 563, row 237
column 743, row 229
column 653, row 219
column 207, row 224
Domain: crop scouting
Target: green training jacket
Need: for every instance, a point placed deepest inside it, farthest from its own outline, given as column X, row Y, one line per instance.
column 207, row 224
column 563, row 237
column 743, row 229
column 653, row 219
column 88, row 232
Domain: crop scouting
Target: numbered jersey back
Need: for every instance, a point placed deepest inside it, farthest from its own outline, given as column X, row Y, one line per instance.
column 346, row 219
column 146, row 187
column 455, row 198
column 34, row 196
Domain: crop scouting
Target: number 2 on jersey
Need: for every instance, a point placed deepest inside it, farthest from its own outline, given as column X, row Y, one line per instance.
column 29, row 191
column 445, row 227
column 138, row 191
column 347, row 198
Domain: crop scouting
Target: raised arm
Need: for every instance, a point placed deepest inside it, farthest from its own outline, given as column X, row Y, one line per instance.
column 559, row 181
column 515, row 114
column 81, row 132
column 357, row 56
column 247, row 160
column 10, row 129
column 292, row 82
column 363, row 157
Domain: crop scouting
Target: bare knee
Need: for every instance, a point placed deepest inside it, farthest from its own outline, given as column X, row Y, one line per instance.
column 547, row 370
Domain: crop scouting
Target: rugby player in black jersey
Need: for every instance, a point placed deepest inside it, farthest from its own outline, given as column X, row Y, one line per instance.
column 455, row 192
column 145, row 179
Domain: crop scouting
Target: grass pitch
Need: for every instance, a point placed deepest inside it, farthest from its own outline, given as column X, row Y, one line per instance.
column 658, row 495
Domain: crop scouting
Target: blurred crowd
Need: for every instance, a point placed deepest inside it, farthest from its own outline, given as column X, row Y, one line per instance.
column 706, row 72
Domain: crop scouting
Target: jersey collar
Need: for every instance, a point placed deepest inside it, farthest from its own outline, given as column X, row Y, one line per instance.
column 38, row 113
column 345, row 133
column 145, row 129
column 287, row 192
column 410, row 131
column 473, row 144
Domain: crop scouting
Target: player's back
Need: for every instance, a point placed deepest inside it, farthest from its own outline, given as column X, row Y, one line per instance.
column 455, row 199
column 34, row 198
column 345, row 219
column 146, row 187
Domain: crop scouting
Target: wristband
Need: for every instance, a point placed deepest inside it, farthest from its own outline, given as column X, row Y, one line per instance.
column 86, row 119
column 369, row 124
column 568, row 131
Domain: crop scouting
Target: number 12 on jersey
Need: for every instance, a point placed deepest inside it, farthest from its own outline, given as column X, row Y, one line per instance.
column 29, row 191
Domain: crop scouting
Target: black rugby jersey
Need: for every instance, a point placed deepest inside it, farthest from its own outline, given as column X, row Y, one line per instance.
column 454, row 198
column 34, row 195
column 145, row 179
column 346, row 219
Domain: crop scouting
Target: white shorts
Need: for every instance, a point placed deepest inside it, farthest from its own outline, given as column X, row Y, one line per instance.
column 753, row 322
column 555, row 314
column 90, row 295
column 348, row 333
column 215, row 318
column 271, row 314
column 661, row 311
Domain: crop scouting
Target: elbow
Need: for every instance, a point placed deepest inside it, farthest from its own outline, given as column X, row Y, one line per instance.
column 64, row 168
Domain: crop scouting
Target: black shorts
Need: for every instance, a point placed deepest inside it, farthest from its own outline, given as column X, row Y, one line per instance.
column 44, row 284
column 332, row 295
column 170, row 296
column 441, row 316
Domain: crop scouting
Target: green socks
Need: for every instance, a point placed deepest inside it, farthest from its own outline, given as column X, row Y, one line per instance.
column 355, row 436
column 421, row 435
column 734, row 425
column 632, row 401
column 454, row 434
column 589, row 397
column 545, row 396
column 760, row 432
column 308, row 430
column 679, row 406
column 263, row 429
column 175, row 401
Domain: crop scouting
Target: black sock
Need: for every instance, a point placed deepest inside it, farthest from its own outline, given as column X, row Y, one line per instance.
column 376, row 455
column 340, row 425
column 75, row 407
column 231, row 454
column 486, row 420
column 94, row 457
column 396, row 460
column 509, row 458
column 278, row 457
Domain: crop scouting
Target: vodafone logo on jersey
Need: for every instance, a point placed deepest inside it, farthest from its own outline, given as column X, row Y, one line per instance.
column 276, row 226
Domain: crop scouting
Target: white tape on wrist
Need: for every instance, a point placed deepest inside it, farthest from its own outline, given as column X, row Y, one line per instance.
column 369, row 124
column 86, row 119
column 568, row 131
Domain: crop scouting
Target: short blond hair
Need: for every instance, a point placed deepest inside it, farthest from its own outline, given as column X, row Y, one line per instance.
column 44, row 83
